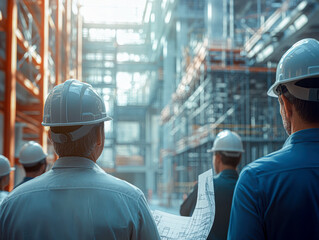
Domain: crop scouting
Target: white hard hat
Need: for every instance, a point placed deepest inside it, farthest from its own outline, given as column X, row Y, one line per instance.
column 228, row 142
column 301, row 61
column 31, row 153
column 5, row 168
column 73, row 103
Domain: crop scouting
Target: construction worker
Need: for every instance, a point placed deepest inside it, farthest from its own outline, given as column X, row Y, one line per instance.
column 33, row 160
column 76, row 199
column 277, row 196
column 227, row 151
column 5, row 170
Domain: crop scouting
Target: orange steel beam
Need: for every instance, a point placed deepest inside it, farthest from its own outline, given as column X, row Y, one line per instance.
column 243, row 68
column 2, row 64
column 30, row 9
column 67, row 37
column 16, row 161
column 58, row 27
column 36, row 59
column 234, row 50
column 31, row 122
column 2, row 25
column 10, row 86
column 1, row 107
column 43, row 83
column 27, row 84
column 28, row 108
column 28, row 131
column 79, row 47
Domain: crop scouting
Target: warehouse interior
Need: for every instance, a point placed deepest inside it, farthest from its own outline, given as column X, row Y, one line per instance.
column 172, row 73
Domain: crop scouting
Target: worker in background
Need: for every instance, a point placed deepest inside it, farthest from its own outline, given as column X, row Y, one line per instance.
column 227, row 151
column 33, row 160
column 5, row 170
column 76, row 199
column 277, row 196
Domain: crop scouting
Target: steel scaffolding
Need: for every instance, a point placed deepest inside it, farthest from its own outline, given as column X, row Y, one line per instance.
column 36, row 57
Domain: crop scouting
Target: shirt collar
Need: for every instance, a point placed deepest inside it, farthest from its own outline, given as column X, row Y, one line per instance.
column 74, row 162
column 228, row 173
column 306, row 135
column 27, row 178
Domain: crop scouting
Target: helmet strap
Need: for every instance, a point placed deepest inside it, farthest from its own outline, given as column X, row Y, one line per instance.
column 306, row 94
column 73, row 136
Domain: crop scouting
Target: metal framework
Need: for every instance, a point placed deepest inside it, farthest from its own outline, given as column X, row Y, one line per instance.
column 220, row 82
column 34, row 57
column 126, row 155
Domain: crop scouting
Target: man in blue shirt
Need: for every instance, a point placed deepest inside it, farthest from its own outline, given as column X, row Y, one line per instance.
column 277, row 196
column 76, row 199
column 33, row 160
column 227, row 151
column 5, row 170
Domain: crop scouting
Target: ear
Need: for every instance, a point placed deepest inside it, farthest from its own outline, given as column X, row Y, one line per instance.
column 99, row 136
column 218, row 158
column 287, row 106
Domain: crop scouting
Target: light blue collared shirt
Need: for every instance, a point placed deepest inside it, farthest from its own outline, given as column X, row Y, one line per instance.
column 76, row 199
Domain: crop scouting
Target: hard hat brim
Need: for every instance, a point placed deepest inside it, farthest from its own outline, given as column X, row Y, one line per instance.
column 271, row 91
column 76, row 123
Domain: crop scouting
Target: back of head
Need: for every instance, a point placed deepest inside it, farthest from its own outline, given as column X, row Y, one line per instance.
column 229, row 145
column 74, row 111
column 297, row 78
column 5, row 168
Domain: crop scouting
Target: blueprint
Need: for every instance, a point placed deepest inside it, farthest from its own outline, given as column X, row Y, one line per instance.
column 198, row 226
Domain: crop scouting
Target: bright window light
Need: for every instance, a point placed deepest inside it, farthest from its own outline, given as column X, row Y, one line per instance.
column 168, row 17
column 301, row 21
column 119, row 11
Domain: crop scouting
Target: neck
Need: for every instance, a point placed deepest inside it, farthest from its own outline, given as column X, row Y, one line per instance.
column 225, row 167
column 2, row 186
column 298, row 124
column 32, row 174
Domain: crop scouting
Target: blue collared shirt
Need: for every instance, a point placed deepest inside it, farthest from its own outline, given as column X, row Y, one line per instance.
column 76, row 199
column 277, row 196
column 3, row 195
column 25, row 179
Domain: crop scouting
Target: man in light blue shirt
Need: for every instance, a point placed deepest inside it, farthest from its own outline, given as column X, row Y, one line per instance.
column 33, row 160
column 277, row 196
column 76, row 199
column 5, row 170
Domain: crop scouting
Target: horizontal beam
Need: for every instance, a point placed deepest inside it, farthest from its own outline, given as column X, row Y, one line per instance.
column 29, row 108
column 36, row 58
column 30, row 122
column 242, row 69
column 27, row 84
column 89, row 65
column 113, row 26
column 100, row 46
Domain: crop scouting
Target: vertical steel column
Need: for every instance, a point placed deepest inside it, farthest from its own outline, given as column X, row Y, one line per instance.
column 43, row 83
column 58, row 27
column 10, row 86
column 78, row 66
column 68, row 5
